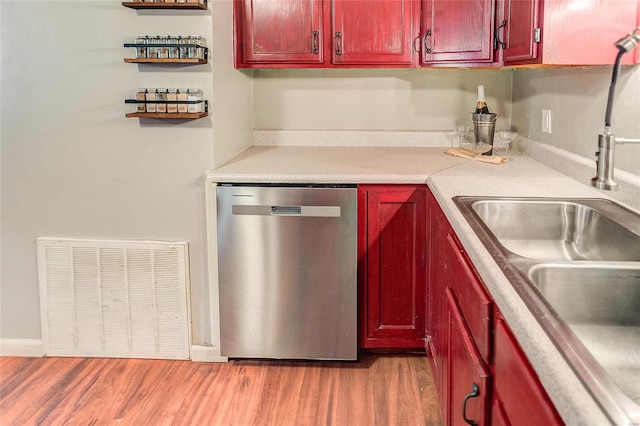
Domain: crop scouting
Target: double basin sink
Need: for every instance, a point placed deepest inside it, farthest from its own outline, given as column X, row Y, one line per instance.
column 576, row 264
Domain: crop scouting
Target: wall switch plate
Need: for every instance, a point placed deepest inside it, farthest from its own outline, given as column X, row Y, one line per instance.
column 546, row 121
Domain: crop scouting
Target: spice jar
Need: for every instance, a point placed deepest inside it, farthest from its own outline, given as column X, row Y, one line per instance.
column 182, row 96
column 141, row 95
column 172, row 95
column 161, row 96
column 195, row 95
column 174, row 52
column 202, row 43
column 151, row 96
column 184, row 50
column 163, row 50
column 141, row 48
column 152, row 48
column 193, row 46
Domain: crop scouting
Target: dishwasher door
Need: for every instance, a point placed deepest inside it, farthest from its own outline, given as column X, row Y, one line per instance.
column 287, row 265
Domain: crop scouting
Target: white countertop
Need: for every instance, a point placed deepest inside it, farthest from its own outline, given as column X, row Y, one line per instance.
column 447, row 177
column 332, row 164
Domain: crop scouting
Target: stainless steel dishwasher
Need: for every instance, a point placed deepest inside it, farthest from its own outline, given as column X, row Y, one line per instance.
column 287, row 265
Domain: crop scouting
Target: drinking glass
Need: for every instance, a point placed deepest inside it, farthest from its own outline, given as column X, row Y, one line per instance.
column 461, row 130
column 507, row 136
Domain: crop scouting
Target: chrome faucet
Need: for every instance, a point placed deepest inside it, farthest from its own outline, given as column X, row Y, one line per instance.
column 607, row 141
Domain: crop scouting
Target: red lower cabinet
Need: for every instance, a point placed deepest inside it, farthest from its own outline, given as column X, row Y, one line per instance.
column 481, row 374
column 468, row 374
column 392, row 270
column 519, row 398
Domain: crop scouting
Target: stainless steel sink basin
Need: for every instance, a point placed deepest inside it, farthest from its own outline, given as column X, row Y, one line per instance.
column 556, row 230
column 576, row 264
column 601, row 306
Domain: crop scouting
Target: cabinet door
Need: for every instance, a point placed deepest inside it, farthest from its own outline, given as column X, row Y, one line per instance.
column 278, row 31
column 522, row 31
column 517, row 388
column 377, row 32
column 468, row 375
column 395, row 270
column 457, row 31
column 553, row 32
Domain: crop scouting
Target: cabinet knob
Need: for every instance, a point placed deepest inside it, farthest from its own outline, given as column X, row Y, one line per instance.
column 474, row 393
column 338, row 43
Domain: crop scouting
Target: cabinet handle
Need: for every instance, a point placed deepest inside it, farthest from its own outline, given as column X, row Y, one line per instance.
column 496, row 37
column 427, row 40
column 315, row 43
column 338, row 43
column 473, row 394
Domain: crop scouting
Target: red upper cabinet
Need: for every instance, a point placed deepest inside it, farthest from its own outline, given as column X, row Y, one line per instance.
column 326, row 33
column 374, row 32
column 392, row 269
column 457, row 31
column 278, row 31
column 560, row 32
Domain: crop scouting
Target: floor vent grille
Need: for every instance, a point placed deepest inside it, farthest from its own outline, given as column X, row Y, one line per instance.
column 123, row 299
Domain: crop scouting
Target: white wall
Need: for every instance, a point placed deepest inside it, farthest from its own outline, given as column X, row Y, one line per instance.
column 577, row 98
column 72, row 165
column 232, row 107
column 382, row 99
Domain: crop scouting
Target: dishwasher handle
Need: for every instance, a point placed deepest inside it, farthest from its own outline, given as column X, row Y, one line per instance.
column 303, row 211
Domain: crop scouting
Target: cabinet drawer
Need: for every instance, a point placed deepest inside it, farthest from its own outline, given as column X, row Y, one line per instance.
column 473, row 299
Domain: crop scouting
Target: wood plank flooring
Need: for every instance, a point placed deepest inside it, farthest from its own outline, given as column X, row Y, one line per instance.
column 376, row 390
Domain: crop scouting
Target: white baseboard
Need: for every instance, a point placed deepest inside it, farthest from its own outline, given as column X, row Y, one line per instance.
column 33, row 348
column 206, row 354
column 21, row 347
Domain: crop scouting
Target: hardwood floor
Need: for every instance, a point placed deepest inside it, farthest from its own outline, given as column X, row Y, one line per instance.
column 377, row 390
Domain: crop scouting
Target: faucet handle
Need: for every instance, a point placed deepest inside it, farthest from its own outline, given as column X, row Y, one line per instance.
column 629, row 42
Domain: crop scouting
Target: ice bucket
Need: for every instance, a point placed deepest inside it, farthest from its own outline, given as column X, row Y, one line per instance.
column 484, row 127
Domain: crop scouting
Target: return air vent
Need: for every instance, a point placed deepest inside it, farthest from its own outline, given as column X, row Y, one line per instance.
column 123, row 299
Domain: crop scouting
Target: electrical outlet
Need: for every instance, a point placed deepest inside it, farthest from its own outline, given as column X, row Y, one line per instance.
column 546, row 121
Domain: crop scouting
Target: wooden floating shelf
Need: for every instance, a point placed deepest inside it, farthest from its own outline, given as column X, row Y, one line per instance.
column 145, row 5
column 188, row 116
column 164, row 61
